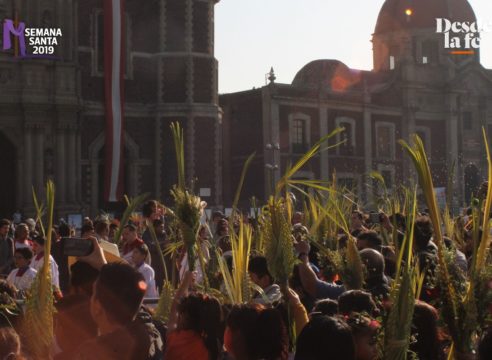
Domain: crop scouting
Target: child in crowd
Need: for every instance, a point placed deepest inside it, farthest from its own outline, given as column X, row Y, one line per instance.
column 23, row 275
column 38, row 260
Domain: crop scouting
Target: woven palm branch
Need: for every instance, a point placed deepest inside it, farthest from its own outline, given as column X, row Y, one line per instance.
column 39, row 307
column 279, row 247
column 187, row 206
column 163, row 308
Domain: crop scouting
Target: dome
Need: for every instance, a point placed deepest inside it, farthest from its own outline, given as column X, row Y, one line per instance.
column 329, row 74
column 393, row 15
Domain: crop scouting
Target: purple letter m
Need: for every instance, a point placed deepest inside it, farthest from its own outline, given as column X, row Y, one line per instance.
column 9, row 28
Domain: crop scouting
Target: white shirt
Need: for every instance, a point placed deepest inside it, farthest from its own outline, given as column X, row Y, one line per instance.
column 23, row 281
column 149, row 276
column 198, row 268
column 20, row 245
column 37, row 264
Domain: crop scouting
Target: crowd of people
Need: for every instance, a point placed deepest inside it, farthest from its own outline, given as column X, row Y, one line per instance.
column 103, row 311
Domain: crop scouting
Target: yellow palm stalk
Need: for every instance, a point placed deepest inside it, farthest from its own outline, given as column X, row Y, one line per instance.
column 398, row 324
column 236, row 282
column 485, row 241
column 449, row 295
column 39, row 303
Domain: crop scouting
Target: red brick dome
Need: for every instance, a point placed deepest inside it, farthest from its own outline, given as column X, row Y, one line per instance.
column 396, row 15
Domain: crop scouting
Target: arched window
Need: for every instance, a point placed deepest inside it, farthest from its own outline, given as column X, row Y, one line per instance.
column 385, row 140
column 348, row 136
column 300, row 133
column 430, row 52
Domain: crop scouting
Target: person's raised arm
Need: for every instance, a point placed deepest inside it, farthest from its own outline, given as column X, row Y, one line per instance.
column 307, row 275
column 189, row 279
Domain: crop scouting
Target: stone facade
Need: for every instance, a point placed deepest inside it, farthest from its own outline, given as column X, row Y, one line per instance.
column 416, row 86
column 52, row 112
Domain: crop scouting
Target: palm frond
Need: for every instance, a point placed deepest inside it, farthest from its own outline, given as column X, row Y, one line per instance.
column 133, row 204
column 286, row 179
column 178, row 137
column 449, row 297
column 246, row 165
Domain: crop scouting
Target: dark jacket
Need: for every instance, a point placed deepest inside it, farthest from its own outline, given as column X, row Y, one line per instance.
column 139, row 340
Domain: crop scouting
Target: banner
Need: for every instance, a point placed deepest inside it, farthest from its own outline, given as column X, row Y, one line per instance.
column 114, row 69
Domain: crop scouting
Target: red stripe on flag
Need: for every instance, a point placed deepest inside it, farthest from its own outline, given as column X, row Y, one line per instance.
column 114, row 57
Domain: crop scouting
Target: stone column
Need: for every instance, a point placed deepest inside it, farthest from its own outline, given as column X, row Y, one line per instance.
column 275, row 123
column 267, row 135
column 157, row 157
column 368, row 166
column 323, row 126
column 39, row 161
column 72, row 170
column 60, row 167
column 28, row 166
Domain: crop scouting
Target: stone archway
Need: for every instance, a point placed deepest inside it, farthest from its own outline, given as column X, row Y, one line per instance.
column 96, row 158
column 8, row 178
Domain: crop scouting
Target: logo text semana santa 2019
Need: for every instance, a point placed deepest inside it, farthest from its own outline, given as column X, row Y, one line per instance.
column 41, row 42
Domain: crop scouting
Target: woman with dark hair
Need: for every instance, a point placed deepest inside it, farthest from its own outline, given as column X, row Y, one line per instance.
column 255, row 332
column 364, row 331
column 325, row 337
column 194, row 328
column 427, row 333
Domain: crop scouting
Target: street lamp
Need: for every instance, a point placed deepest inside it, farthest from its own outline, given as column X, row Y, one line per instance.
column 272, row 167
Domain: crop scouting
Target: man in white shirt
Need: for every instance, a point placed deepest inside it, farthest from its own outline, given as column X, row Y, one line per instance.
column 38, row 260
column 139, row 255
column 23, row 275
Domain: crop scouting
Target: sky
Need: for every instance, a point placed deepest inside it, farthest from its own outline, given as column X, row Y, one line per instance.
column 253, row 35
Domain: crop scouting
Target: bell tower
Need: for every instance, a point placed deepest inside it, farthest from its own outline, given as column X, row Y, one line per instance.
column 188, row 91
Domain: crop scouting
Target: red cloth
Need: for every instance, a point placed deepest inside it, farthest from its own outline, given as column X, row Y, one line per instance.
column 134, row 244
column 185, row 345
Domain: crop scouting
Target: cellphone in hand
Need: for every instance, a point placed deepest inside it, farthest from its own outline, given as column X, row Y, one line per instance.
column 77, row 246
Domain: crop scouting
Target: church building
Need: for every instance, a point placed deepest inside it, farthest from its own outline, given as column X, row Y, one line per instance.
column 53, row 112
column 417, row 85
